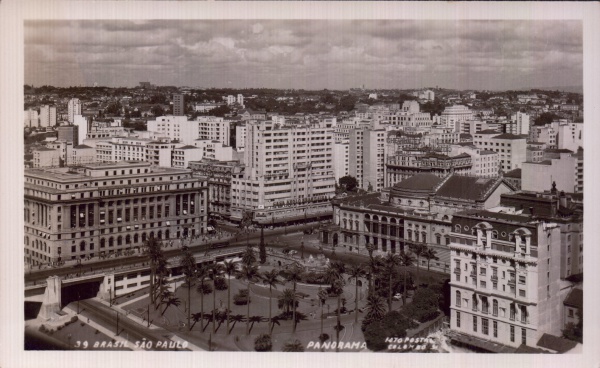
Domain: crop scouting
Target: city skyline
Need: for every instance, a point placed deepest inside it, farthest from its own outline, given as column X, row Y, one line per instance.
column 312, row 54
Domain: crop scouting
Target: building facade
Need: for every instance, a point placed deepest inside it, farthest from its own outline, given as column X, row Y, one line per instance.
column 73, row 213
column 73, row 108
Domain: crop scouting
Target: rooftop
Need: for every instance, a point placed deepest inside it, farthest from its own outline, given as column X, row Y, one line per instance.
column 466, row 187
column 516, row 173
column 421, row 182
column 556, row 343
column 574, row 299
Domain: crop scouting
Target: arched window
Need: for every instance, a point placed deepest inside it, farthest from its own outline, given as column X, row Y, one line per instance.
column 457, row 298
column 447, row 239
column 457, row 228
column 393, row 220
column 111, row 241
column 495, row 308
column 409, row 234
column 159, row 234
column 494, row 234
column 102, row 242
column 151, row 234
column 367, row 217
column 438, row 239
column 143, row 237
column 167, row 234
column 384, row 219
column 136, row 238
column 445, row 218
column 82, row 246
column 128, row 239
column 119, row 240
column 424, row 237
column 375, row 218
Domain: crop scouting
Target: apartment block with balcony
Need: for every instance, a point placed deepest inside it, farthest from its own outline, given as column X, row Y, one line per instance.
column 288, row 172
column 98, row 209
column 505, row 278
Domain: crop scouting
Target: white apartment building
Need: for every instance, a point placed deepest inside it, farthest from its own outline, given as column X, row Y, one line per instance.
column 47, row 116
column 176, row 128
column 214, row 129
column 240, row 137
column 486, row 163
column 240, row 99
column 519, row 123
column 32, row 119
column 183, row 155
column 341, row 154
column 82, row 125
column 570, row 136
column 288, row 172
column 73, row 108
column 409, row 115
column 505, row 278
column 564, row 169
column 121, row 149
column 454, row 116
column 374, row 155
column 511, row 148
column 231, row 100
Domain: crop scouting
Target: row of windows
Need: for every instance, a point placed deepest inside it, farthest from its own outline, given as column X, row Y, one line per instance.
column 485, row 328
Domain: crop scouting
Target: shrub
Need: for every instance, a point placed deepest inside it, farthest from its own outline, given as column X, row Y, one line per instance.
column 82, row 324
column 314, row 278
column 220, row 283
column 96, row 332
column 323, row 337
column 293, row 346
column 59, row 328
column 43, row 329
column 394, row 324
column 424, row 306
column 263, row 343
column 205, row 288
column 74, row 319
column 241, row 298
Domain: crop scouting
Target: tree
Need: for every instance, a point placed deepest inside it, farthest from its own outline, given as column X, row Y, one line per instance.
column 248, row 258
column 406, row 260
column 375, row 309
column 270, row 278
column 418, row 250
column 355, row 272
column 424, row 306
column 392, row 324
column 169, row 301
column 196, row 317
column 545, row 118
column 263, row 343
column 229, row 268
column 157, row 110
column 188, row 264
column 249, row 273
column 294, row 275
column 158, row 263
column 334, row 275
column 349, row 183
column 202, row 274
column 245, row 224
column 294, row 346
column 286, row 301
column 390, row 263
column 262, row 249
column 430, row 254
column 574, row 331
column 322, row 294
column 235, row 319
column 215, row 272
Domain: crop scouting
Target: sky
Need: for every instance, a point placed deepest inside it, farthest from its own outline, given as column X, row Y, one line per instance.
column 306, row 54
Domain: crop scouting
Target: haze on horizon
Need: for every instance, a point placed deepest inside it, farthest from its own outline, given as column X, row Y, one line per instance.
column 306, row 54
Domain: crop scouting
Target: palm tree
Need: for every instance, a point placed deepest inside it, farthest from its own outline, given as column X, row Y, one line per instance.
column 418, row 250
column 249, row 258
column 293, row 346
column 229, row 268
column 160, row 271
column 322, row 294
column 254, row 319
column 430, row 254
column 201, row 274
column 335, row 276
column 294, row 275
column 215, row 272
column 236, row 318
column 171, row 300
column 391, row 261
column 375, row 308
column 274, row 321
column 188, row 263
column 270, row 278
column 286, row 300
column 248, row 273
column 196, row 317
column 406, row 260
column 355, row 272
column 372, row 266
column 154, row 253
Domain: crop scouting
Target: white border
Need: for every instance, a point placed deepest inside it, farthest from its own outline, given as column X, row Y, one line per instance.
column 12, row 14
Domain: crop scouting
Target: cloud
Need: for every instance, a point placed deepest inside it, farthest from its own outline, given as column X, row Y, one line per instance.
column 315, row 54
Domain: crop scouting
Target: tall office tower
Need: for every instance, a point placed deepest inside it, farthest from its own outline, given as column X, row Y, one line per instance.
column 32, row 119
column 178, row 105
column 288, row 173
column 69, row 133
column 74, row 108
column 47, row 116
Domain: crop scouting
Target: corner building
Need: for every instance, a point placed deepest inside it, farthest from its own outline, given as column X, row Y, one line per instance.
column 100, row 209
column 505, row 278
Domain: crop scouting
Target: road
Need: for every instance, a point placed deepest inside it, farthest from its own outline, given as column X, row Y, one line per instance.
column 196, row 247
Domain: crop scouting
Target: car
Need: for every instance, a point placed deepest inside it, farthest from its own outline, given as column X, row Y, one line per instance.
column 397, row 296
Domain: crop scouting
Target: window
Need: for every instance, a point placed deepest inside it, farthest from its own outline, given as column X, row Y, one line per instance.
column 512, row 333
column 458, row 299
column 523, row 336
column 523, row 314
column 512, row 313
column 485, row 326
column 475, row 323
column 495, row 308
column 482, row 284
column 570, row 311
column 521, row 293
column 482, row 271
column 522, row 280
column 495, row 326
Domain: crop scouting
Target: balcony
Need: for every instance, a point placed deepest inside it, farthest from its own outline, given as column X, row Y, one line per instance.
column 494, row 278
column 457, row 270
column 512, row 282
column 473, row 275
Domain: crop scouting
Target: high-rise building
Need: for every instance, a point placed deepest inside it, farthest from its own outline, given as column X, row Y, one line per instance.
column 231, row 100
column 31, row 119
column 288, row 173
column 69, row 133
column 505, row 284
column 454, row 116
column 214, row 129
column 512, row 148
column 102, row 209
column 178, row 104
column 240, row 99
column 519, row 123
column 82, row 124
column 47, row 116
column 73, row 108
column 176, row 128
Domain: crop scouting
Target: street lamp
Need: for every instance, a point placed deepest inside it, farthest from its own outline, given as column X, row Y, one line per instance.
column 117, row 334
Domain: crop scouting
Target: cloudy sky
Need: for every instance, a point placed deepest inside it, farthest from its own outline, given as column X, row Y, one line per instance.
column 312, row 54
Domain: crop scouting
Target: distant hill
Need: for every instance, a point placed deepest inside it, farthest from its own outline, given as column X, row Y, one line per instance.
column 571, row 89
